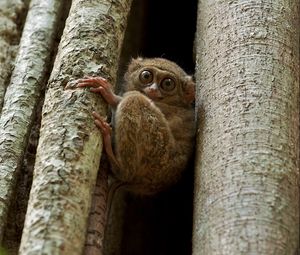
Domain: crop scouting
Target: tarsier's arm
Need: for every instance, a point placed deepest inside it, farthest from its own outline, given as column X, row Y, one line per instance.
column 103, row 87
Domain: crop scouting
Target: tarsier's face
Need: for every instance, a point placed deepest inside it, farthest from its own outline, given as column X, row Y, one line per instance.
column 161, row 80
column 157, row 84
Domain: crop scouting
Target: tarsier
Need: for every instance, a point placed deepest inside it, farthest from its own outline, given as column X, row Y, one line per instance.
column 154, row 124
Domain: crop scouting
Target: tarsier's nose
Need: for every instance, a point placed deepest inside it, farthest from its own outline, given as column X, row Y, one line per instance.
column 153, row 86
column 153, row 92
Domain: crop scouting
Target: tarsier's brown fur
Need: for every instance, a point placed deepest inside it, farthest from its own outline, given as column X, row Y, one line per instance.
column 154, row 139
column 153, row 135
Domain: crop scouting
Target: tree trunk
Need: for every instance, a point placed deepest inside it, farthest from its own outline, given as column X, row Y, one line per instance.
column 70, row 145
column 246, row 195
column 23, row 94
column 9, row 37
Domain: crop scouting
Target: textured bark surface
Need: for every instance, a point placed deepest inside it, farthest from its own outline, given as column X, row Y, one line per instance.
column 246, row 195
column 97, row 217
column 17, row 211
column 70, row 145
column 9, row 38
column 23, row 94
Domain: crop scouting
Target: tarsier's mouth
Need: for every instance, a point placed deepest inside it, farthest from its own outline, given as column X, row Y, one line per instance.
column 154, row 95
column 155, row 98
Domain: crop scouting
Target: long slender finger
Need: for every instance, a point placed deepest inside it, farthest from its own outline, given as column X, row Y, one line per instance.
column 104, row 82
column 98, row 90
column 104, row 92
column 101, row 81
column 101, row 126
column 91, row 80
column 95, row 79
column 100, row 121
column 100, row 118
column 86, row 84
column 103, row 123
column 104, row 127
column 97, row 116
column 93, row 83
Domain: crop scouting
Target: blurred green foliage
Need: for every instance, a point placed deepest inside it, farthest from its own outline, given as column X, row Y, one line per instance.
column 2, row 251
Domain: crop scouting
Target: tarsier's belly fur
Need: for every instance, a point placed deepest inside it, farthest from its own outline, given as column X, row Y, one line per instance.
column 152, row 155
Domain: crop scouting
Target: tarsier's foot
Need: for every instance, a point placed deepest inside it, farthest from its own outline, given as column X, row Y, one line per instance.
column 106, row 133
column 102, row 86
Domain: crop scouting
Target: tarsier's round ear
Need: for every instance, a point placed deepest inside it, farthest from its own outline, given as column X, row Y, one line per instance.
column 189, row 90
column 135, row 64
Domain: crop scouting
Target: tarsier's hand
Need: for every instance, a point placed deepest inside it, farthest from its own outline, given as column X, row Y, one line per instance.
column 106, row 132
column 102, row 86
column 102, row 124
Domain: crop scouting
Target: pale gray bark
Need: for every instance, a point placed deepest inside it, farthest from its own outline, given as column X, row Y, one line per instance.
column 23, row 93
column 246, row 195
column 70, row 145
column 9, row 37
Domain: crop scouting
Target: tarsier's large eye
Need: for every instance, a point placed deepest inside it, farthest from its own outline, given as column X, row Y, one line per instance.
column 146, row 77
column 168, row 84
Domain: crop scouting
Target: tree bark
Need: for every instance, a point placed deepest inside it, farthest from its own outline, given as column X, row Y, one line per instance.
column 70, row 145
column 23, row 94
column 97, row 216
column 9, row 38
column 247, row 175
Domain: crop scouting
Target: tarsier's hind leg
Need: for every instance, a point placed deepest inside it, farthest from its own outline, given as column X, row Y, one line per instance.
column 142, row 137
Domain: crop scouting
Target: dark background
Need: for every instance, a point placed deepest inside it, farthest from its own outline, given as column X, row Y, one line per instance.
column 160, row 224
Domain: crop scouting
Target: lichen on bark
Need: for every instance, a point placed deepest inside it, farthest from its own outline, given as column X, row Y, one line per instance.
column 9, row 38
